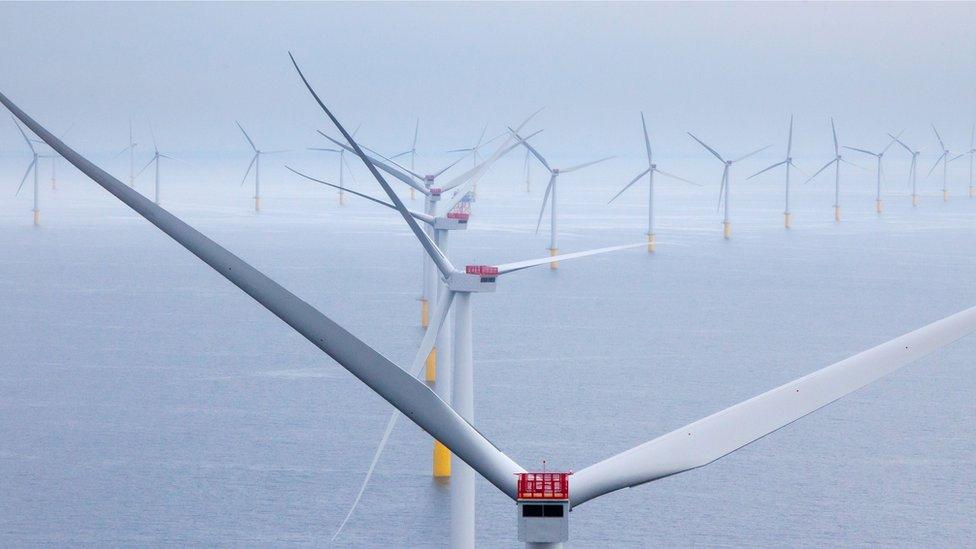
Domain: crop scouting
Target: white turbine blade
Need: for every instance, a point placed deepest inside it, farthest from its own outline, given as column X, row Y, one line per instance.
column 585, row 165
column 402, row 176
column 344, row 162
column 902, row 143
column 939, row 137
column 398, row 155
column 26, row 139
column 440, row 313
column 545, row 199
column 628, row 185
column 647, row 141
column 861, row 150
column 448, row 167
column 416, row 131
column 26, row 173
column 396, row 164
column 249, row 166
column 936, row 165
column 757, row 151
column 833, row 130
column 892, row 142
column 534, row 152
column 120, row 153
column 519, row 265
column 957, row 157
column 766, row 169
column 417, row 215
column 396, row 386
column 479, row 171
column 146, row 166
column 719, row 434
column 248, row 137
column 797, row 168
column 711, row 150
column 322, row 149
column 436, row 255
column 789, row 141
column 672, row 176
column 858, row 166
column 277, row 151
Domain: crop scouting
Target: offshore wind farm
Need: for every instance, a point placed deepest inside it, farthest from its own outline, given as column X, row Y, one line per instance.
column 147, row 401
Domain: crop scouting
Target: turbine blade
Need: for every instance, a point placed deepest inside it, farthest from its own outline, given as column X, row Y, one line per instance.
column 322, row 149
column 437, row 256
column 711, row 150
column 861, row 150
column 757, row 151
column 902, row 143
column 672, row 176
column 585, row 164
column 766, row 169
column 146, row 166
column 628, row 185
column 30, row 166
column 120, row 153
column 789, row 141
column 449, row 166
column 402, row 176
column 519, row 265
column 417, row 215
column 833, row 130
column 545, row 199
column 534, row 152
column 825, row 166
column 249, row 166
column 26, row 139
column 396, row 386
column 416, row 131
column 858, row 166
column 647, row 141
column 278, row 151
column 248, row 137
column 939, row 137
column 706, row 440
column 936, row 165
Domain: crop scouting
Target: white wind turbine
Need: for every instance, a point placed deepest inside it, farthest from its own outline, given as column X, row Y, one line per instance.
column 256, row 164
column 944, row 158
column 879, row 171
column 972, row 152
column 412, row 151
column 473, row 151
column 838, row 158
column 649, row 172
column 723, row 191
column 456, row 291
column 31, row 167
column 912, row 169
column 788, row 162
column 343, row 166
column 551, row 192
column 542, row 501
column 155, row 163
column 131, row 149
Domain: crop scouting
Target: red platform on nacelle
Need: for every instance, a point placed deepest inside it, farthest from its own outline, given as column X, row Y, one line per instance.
column 552, row 486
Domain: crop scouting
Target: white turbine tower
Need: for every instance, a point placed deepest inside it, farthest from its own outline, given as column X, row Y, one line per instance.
column 838, row 158
column 649, row 172
column 31, row 167
column 944, row 158
column 723, row 191
column 879, row 171
column 912, row 169
column 131, row 149
column 972, row 153
column 155, row 163
column 552, row 193
column 788, row 162
column 543, row 499
column 256, row 164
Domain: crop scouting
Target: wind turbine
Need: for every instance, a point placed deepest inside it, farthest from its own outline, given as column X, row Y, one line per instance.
column 944, row 158
column 788, row 162
column 30, row 167
column 879, row 171
column 412, row 151
column 912, row 170
column 543, row 499
column 343, row 165
column 459, row 285
column 723, row 191
column 551, row 191
column 155, row 163
column 473, row 151
column 256, row 164
column 972, row 152
column 838, row 158
column 649, row 172
column 131, row 149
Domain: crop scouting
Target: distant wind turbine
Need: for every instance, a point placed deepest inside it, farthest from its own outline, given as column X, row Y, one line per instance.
column 879, row 171
column 412, row 151
column 649, row 172
column 944, row 158
column 30, row 167
column 256, row 164
column 131, row 149
column 788, row 162
column 343, row 166
column 838, row 158
column 473, row 151
column 551, row 192
column 723, row 191
column 913, row 168
column 155, row 163
column 972, row 152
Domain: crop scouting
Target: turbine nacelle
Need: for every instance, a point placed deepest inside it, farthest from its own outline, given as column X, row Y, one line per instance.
column 475, row 278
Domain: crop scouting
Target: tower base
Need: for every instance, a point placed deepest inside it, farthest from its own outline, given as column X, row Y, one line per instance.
column 915, row 200
column 342, row 198
column 879, row 206
column 972, row 192
column 787, row 220
column 553, row 264
column 651, row 243
column 430, row 370
column 727, row 230
column 37, row 217
column 836, row 213
column 442, row 460
column 411, row 193
column 257, row 203
column 424, row 313
column 945, row 196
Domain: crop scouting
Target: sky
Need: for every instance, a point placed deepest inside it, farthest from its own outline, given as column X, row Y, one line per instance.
column 730, row 73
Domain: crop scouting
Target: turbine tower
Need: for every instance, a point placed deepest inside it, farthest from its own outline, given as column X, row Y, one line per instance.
column 131, row 149
column 542, row 502
column 879, row 171
column 838, row 158
column 723, row 191
column 972, row 152
column 256, row 164
column 913, row 168
column 551, row 192
column 30, row 167
column 788, row 162
column 155, row 163
column 944, row 159
column 649, row 172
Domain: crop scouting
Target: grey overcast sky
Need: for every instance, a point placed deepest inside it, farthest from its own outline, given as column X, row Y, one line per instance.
column 731, row 72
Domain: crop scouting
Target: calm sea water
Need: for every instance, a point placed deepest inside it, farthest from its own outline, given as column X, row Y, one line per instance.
column 146, row 401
